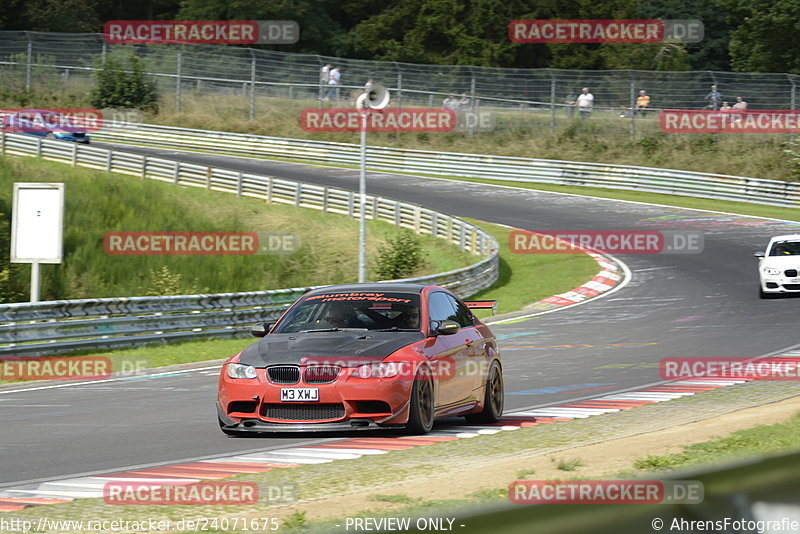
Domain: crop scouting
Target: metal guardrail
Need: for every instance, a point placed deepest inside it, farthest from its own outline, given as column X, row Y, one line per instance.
column 512, row 169
column 758, row 493
column 32, row 329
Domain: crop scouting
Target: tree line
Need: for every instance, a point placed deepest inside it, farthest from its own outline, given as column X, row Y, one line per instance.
column 740, row 35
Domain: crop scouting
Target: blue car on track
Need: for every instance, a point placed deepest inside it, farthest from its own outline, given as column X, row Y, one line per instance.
column 49, row 123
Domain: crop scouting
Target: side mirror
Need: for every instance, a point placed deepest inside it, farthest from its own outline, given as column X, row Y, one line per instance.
column 759, row 254
column 260, row 330
column 447, row 328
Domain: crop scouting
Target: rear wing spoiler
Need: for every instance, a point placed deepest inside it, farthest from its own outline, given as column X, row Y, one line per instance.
column 482, row 305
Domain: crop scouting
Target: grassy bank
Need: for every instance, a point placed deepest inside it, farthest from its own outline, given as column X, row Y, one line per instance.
column 97, row 203
column 604, row 138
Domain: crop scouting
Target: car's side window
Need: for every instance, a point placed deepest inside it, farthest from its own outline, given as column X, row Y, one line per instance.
column 441, row 307
column 464, row 316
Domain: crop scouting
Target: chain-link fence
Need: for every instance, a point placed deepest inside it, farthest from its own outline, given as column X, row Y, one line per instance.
column 29, row 60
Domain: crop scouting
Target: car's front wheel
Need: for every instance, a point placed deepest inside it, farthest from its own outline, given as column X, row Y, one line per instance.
column 493, row 397
column 764, row 295
column 421, row 415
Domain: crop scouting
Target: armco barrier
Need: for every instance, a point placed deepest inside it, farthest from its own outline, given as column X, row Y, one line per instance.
column 512, row 169
column 32, row 329
column 762, row 489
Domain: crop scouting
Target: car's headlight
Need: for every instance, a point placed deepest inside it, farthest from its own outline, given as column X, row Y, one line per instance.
column 378, row 370
column 771, row 270
column 240, row 370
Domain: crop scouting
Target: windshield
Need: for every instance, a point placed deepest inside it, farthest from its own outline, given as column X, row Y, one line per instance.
column 785, row 248
column 353, row 310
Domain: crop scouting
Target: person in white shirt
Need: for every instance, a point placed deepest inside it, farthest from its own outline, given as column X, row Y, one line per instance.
column 585, row 103
column 333, row 83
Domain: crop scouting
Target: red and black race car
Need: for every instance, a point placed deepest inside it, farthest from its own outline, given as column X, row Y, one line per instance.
column 365, row 356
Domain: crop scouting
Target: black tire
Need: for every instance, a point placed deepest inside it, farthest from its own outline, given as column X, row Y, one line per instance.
column 763, row 295
column 493, row 397
column 421, row 407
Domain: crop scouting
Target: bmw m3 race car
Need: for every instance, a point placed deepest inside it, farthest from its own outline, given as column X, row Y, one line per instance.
column 365, row 356
column 779, row 266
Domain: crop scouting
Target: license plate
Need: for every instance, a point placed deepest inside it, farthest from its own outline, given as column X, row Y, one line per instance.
column 299, row 394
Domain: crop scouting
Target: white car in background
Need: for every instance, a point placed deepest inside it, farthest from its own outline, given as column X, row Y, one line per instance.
column 779, row 266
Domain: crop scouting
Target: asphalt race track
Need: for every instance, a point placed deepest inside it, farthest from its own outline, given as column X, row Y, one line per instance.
column 691, row 305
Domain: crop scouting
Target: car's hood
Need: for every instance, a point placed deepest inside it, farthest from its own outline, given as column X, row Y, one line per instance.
column 781, row 262
column 344, row 347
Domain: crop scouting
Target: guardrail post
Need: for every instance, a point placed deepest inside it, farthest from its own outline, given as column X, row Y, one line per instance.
column 208, row 177
column 417, row 219
column 298, row 193
column 39, row 147
column 109, row 160
column 375, row 208
column 176, row 172
column 449, row 229
column 269, row 190
column 351, row 205
column 473, row 241
column 397, row 214
column 434, row 224
column 144, row 167
column 462, row 237
column 239, row 180
column 75, row 154
column 325, row 194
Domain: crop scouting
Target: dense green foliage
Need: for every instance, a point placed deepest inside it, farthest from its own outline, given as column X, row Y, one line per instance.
column 123, row 84
column 742, row 35
column 400, row 256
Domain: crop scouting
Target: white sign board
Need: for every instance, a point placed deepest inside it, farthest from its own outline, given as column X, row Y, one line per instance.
column 37, row 223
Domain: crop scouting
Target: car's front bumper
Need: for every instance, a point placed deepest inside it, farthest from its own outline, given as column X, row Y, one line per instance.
column 780, row 284
column 255, row 425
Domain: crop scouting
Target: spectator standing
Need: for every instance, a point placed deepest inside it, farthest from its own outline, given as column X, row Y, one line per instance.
column 334, row 81
column 642, row 103
column 571, row 100
column 714, row 98
column 324, row 73
column 585, row 103
column 463, row 104
column 451, row 102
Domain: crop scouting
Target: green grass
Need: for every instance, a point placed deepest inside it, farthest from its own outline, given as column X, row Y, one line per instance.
column 99, row 202
column 751, row 442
